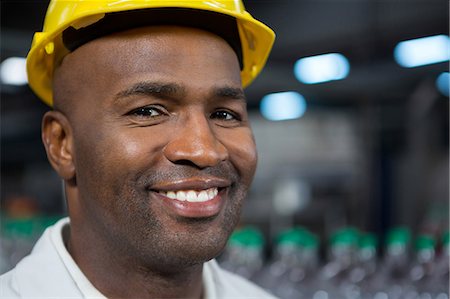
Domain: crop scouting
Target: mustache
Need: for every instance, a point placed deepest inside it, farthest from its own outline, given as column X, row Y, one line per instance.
column 176, row 172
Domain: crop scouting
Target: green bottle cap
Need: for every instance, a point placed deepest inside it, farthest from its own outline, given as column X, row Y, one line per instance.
column 49, row 220
column 246, row 237
column 398, row 235
column 290, row 237
column 424, row 242
column 236, row 238
column 347, row 236
column 368, row 240
column 445, row 238
column 255, row 238
column 19, row 227
column 311, row 241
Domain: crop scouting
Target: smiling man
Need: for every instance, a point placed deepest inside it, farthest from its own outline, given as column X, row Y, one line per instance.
column 150, row 133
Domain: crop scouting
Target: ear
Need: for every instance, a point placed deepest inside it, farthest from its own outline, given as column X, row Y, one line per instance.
column 58, row 141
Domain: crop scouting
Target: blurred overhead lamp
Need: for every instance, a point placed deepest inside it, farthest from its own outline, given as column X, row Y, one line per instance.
column 13, row 71
column 442, row 83
column 283, row 105
column 321, row 68
column 423, row 51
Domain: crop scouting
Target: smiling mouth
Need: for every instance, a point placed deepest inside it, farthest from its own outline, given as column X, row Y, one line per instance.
column 194, row 203
column 192, row 195
column 195, row 197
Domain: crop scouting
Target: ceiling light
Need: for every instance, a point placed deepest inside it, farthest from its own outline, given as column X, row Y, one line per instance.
column 321, row 68
column 422, row 51
column 442, row 83
column 13, row 71
column 283, row 105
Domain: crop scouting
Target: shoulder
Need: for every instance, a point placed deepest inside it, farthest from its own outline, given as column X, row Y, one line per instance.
column 14, row 283
column 8, row 286
column 42, row 273
column 229, row 285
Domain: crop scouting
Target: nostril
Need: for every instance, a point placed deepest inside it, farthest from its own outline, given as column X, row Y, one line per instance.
column 185, row 162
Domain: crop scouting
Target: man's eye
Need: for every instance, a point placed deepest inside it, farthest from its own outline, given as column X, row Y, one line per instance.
column 146, row 112
column 224, row 115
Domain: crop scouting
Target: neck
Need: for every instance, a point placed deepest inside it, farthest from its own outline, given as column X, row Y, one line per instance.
column 117, row 276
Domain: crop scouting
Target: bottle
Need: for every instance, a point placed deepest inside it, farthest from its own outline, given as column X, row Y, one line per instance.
column 243, row 254
column 366, row 265
column 440, row 279
column 274, row 276
column 333, row 277
column 391, row 279
column 422, row 268
column 304, row 277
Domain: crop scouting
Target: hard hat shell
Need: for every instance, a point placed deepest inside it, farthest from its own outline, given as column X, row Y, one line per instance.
column 47, row 49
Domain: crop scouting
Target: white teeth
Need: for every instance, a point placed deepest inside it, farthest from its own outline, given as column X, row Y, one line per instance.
column 202, row 196
column 181, row 196
column 192, row 195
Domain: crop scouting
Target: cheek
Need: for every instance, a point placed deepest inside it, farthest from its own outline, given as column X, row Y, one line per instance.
column 242, row 151
column 130, row 148
column 112, row 156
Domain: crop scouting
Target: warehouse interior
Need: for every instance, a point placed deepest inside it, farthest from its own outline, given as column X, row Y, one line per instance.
column 371, row 150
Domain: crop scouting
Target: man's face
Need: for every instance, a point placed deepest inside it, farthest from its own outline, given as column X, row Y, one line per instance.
column 164, row 154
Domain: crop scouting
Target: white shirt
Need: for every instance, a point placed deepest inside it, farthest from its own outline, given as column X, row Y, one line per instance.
column 50, row 272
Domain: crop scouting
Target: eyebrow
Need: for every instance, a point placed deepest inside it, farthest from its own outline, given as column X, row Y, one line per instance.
column 230, row 93
column 152, row 89
column 170, row 90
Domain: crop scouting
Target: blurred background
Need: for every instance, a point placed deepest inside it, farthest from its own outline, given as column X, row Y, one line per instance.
column 361, row 141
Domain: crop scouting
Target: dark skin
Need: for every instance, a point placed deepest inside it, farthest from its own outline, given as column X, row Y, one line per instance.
column 139, row 112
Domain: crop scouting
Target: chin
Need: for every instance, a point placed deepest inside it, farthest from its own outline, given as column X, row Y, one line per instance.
column 184, row 255
column 203, row 246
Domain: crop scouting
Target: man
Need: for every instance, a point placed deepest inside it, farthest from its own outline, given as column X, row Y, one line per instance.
column 150, row 133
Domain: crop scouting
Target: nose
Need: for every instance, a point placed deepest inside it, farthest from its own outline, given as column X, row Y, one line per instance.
column 195, row 143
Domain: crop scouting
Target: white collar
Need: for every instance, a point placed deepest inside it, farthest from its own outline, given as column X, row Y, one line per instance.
column 86, row 287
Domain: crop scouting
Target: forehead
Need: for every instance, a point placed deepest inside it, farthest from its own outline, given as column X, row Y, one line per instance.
column 189, row 57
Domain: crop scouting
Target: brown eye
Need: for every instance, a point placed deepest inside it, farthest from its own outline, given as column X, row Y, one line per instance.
column 146, row 112
column 148, row 115
column 224, row 115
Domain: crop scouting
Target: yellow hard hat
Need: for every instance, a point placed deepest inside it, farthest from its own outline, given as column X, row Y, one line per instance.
column 69, row 24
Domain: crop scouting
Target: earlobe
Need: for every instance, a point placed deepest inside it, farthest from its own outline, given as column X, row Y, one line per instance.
column 58, row 141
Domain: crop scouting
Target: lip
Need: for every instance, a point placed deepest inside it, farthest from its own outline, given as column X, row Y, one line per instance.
column 186, row 209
